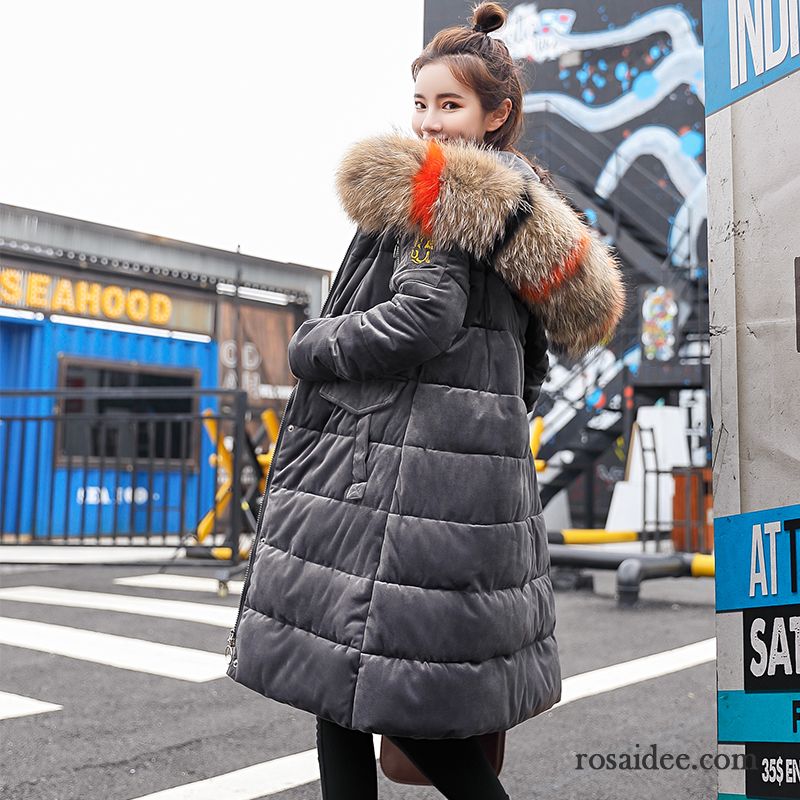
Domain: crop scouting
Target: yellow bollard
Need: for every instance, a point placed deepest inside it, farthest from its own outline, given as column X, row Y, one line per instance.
column 597, row 536
column 536, row 434
column 703, row 565
column 536, row 440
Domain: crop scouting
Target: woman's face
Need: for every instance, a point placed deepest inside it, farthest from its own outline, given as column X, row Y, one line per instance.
column 446, row 109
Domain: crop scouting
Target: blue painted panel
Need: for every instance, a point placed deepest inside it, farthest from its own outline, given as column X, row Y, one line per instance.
column 727, row 40
column 733, row 539
column 27, row 449
column 726, row 796
column 119, row 346
column 119, row 501
column 756, row 716
column 753, row 552
column 21, row 353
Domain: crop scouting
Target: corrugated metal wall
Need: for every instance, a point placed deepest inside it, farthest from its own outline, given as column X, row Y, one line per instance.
column 41, row 498
column 120, row 346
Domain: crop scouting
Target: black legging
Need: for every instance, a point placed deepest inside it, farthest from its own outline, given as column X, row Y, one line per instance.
column 458, row 768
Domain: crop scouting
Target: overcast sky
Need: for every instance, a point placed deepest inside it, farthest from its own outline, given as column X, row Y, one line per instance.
column 215, row 123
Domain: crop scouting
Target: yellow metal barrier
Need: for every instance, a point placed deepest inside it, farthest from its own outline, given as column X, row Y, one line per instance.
column 271, row 425
column 226, row 553
column 536, row 440
column 223, row 495
column 224, row 458
column 703, row 565
column 597, row 536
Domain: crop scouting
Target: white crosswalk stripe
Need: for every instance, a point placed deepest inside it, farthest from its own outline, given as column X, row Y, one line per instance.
column 167, row 660
column 616, row 676
column 278, row 775
column 85, row 554
column 270, row 777
column 16, row 705
column 222, row 616
column 183, row 583
column 260, row 780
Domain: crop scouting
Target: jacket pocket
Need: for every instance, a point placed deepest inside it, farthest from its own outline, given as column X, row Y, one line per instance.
column 362, row 399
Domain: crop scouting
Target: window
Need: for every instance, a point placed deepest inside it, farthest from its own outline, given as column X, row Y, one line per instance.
column 120, row 426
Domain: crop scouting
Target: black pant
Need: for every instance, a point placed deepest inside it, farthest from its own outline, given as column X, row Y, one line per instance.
column 458, row 768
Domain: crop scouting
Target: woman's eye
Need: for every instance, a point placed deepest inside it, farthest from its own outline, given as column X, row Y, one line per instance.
column 420, row 107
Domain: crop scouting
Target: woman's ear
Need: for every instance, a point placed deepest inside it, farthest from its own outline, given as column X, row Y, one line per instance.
column 497, row 117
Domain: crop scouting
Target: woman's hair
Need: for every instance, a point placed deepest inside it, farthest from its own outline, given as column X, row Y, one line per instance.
column 484, row 64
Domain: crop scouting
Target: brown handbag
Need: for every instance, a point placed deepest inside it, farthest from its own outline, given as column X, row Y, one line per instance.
column 398, row 768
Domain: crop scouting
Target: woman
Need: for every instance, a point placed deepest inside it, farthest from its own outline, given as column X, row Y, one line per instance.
column 400, row 577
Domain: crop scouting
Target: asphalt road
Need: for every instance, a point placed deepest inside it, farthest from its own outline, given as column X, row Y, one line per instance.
column 123, row 733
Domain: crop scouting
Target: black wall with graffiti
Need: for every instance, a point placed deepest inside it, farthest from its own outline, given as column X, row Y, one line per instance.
column 614, row 99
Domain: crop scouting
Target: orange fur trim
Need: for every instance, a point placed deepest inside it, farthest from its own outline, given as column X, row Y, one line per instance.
column 563, row 272
column 425, row 189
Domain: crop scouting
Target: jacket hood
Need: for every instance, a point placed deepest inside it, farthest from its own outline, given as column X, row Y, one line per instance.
column 515, row 162
column 490, row 203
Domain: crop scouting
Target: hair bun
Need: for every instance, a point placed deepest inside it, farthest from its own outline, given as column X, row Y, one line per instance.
column 488, row 17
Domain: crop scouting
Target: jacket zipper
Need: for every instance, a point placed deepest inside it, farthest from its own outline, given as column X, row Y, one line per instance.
column 230, row 648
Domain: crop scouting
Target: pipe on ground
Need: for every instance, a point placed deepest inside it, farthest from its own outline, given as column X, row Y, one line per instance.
column 633, row 569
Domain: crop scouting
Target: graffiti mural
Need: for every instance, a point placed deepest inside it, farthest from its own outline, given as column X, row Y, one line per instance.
column 615, row 102
column 614, row 99
column 659, row 310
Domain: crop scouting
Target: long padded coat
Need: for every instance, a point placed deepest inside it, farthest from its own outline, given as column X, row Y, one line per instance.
column 400, row 576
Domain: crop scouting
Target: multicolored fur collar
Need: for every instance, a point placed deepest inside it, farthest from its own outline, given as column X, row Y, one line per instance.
column 460, row 193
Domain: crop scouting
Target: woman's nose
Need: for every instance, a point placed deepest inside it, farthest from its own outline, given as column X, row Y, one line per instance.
column 431, row 124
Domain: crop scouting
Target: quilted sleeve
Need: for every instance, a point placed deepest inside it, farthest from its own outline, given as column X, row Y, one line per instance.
column 420, row 321
column 566, row 273
column 537, row 362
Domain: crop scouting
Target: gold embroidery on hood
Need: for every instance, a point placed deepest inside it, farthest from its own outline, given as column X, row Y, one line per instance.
column 421, row 250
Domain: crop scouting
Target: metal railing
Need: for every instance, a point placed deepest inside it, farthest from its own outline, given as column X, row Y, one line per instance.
column 566, row 155
column 113, row 466
column 563, row 153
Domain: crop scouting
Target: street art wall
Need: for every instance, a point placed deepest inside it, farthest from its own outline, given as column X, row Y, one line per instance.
column 615, row 102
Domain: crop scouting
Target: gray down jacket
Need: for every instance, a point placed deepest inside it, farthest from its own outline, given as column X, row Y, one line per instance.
column 399, row 581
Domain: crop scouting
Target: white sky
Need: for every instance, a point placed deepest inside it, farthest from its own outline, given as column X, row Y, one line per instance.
column 215, row 123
